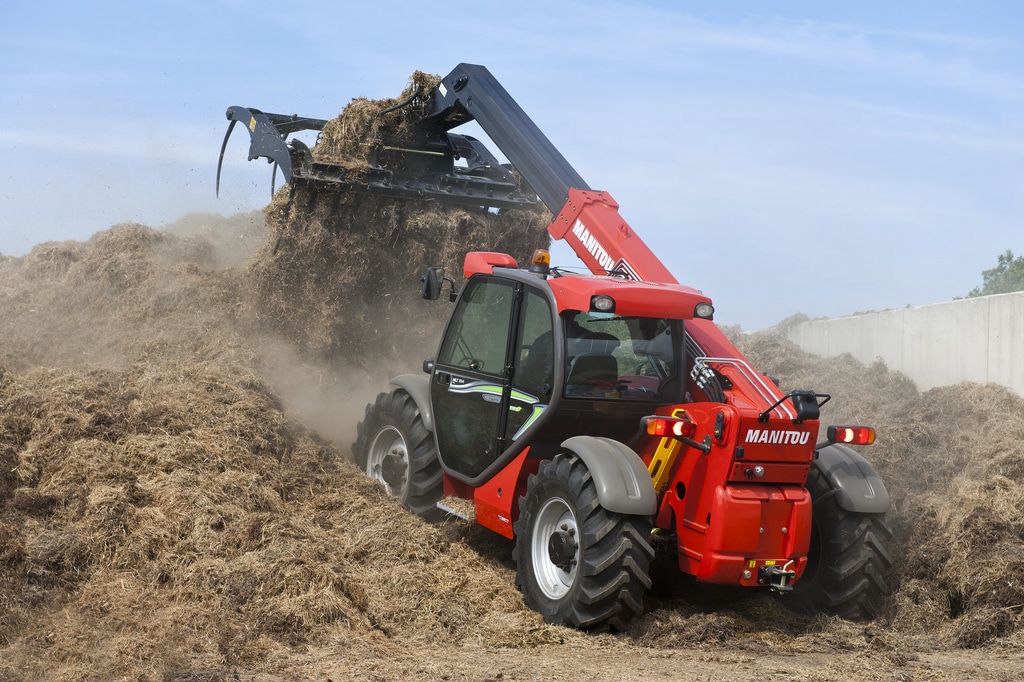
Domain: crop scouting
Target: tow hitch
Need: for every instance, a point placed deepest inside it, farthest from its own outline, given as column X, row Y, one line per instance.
column 777, row 577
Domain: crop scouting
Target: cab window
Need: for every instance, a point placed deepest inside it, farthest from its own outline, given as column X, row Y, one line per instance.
column 479, row 337
column 619, row 357
column 536, row 350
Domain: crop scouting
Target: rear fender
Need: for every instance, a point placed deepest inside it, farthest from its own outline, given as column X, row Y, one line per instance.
column 623, row 483
column 418, row 388
column 856, row 484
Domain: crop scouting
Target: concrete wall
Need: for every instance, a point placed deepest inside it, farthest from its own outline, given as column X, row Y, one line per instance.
column 974, row 339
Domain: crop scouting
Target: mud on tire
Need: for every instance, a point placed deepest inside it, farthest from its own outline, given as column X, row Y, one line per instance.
column 394, row 447
column 847, row 562
column 578, row 564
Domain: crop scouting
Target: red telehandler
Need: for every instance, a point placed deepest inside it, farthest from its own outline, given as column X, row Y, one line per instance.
column 596, row 419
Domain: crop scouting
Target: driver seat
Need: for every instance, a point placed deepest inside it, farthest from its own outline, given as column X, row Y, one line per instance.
column 593, row 367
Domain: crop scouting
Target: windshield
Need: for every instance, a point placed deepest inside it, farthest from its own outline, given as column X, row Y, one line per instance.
column 616, row 357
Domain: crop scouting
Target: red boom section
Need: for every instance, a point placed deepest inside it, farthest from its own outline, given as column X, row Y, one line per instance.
column 591, row 224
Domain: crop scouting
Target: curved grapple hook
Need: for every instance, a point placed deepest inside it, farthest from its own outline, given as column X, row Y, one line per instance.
column 223, row 146
column 268, row 134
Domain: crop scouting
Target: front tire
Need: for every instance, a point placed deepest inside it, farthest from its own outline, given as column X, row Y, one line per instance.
column 847, row 560
column 396, row 449
column 577, row 563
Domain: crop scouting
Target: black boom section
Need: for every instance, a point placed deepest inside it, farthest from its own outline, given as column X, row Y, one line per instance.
column 470, row 92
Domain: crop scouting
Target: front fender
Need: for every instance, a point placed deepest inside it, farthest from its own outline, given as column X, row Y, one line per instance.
column 857, row 485
column 623, row 483
column 418, row 388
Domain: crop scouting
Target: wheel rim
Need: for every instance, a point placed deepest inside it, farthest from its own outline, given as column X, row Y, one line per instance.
column 388, row 461
column 554, row 549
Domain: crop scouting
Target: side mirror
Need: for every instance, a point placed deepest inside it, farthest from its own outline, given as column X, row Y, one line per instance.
column 432, row 281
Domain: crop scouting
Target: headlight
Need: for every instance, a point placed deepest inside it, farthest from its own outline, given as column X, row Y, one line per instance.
column 602, row 304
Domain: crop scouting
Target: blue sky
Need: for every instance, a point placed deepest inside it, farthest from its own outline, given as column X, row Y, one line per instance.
column 785, row 157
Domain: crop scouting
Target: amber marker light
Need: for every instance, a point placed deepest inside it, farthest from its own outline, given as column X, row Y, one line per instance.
column 540, row 263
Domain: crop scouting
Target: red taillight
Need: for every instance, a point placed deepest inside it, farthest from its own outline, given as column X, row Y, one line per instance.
column 669, row 426
column 852, row 435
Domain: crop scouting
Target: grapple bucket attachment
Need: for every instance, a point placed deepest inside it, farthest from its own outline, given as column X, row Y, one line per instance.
column 456, row 169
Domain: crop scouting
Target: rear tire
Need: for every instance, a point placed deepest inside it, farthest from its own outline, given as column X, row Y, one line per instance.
column 396, row 449
column 847, row 561
column 577, row 563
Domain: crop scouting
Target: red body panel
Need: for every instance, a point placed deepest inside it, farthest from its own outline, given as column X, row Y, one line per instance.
column 726, row 518
column 497, row 501
column 485, row 262
column 632, row 297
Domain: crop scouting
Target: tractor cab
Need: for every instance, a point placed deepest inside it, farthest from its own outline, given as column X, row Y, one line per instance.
column 534, row 358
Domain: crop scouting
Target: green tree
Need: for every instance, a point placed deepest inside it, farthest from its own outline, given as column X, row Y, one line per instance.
column 1006, row 276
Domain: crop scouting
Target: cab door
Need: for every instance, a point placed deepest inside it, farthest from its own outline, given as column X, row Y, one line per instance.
column 478, row 408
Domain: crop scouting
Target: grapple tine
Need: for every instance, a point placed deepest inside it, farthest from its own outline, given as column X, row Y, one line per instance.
column 223, row 146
